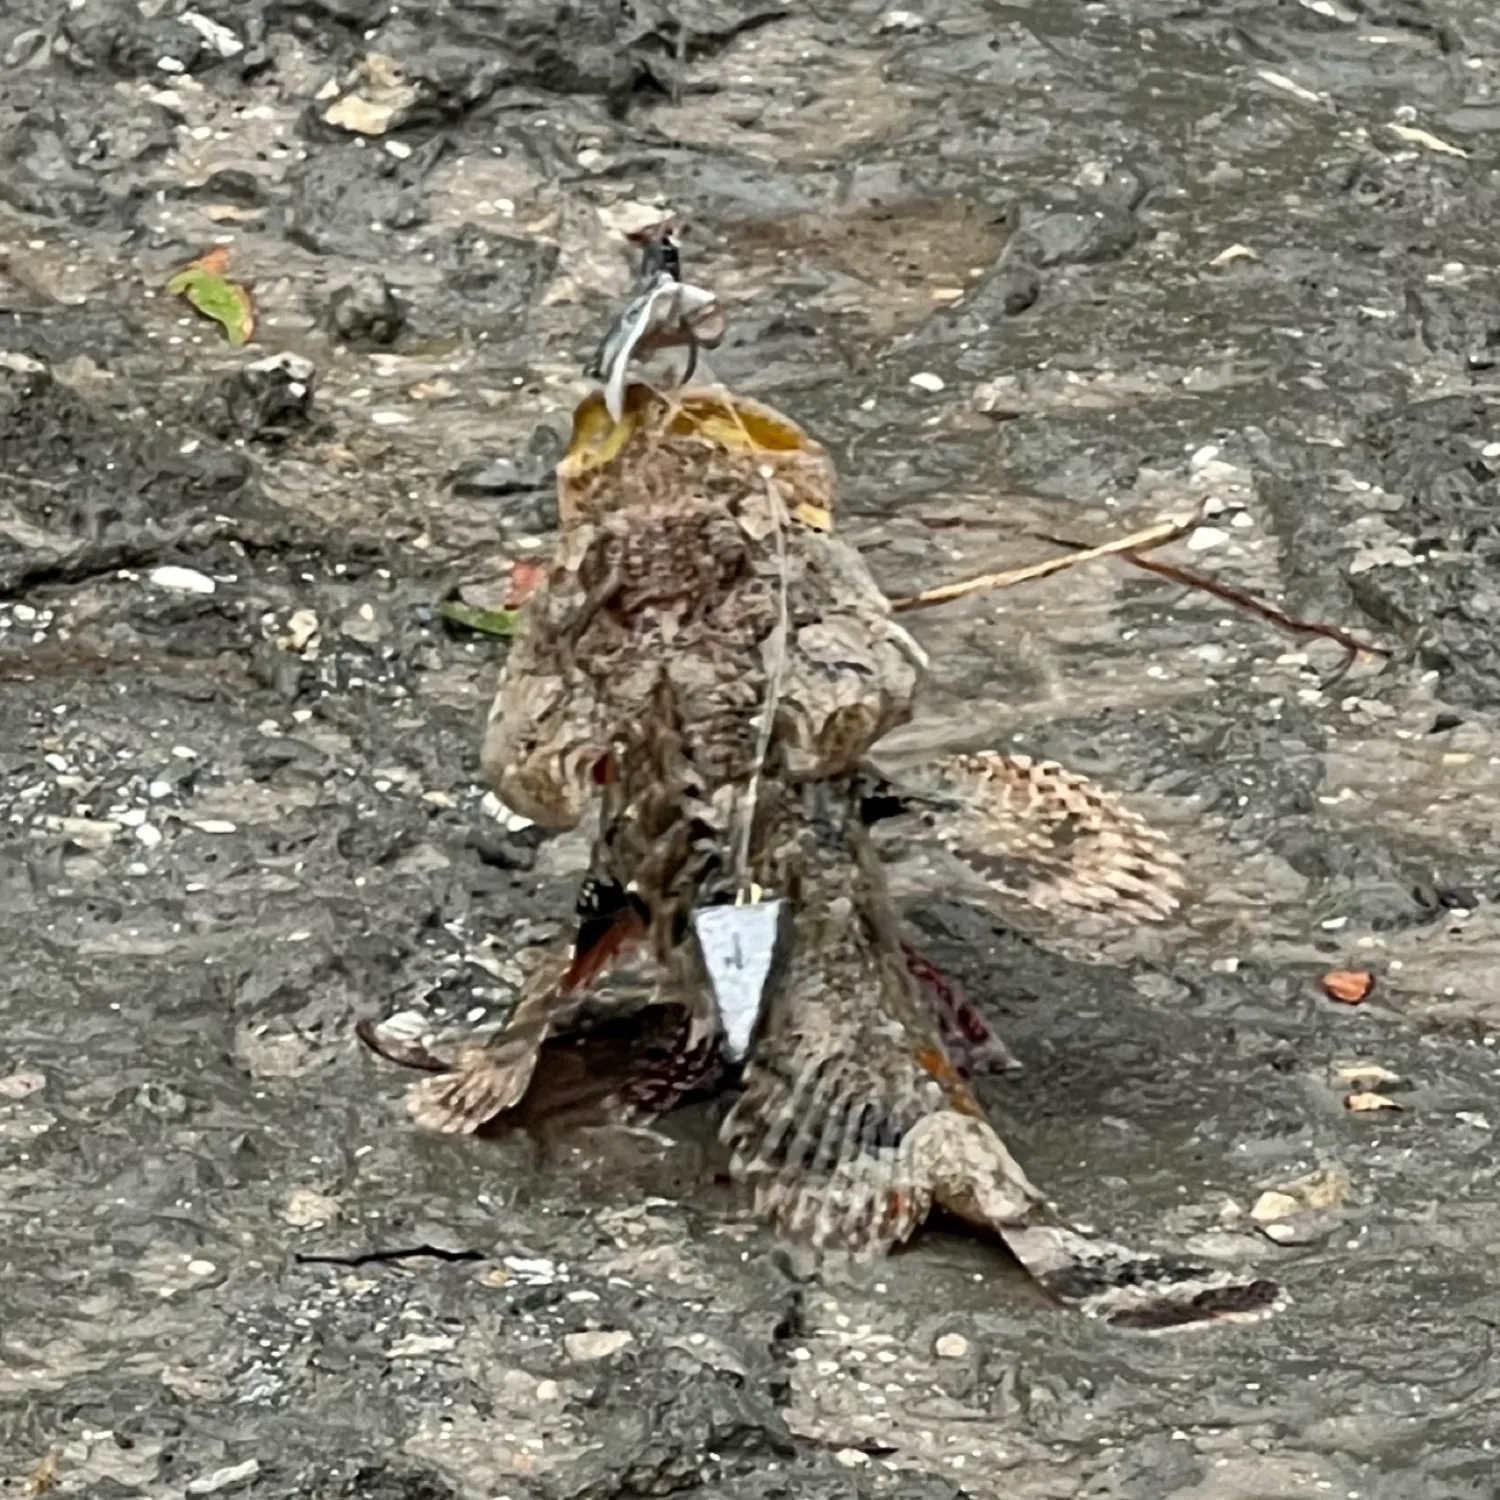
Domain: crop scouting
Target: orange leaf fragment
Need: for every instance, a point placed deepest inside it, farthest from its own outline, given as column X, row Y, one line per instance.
column 1348, row 986
column 525, row 579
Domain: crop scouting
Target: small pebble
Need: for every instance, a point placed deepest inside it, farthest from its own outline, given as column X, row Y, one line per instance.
column 92, row 833
column 214, row 825
column 596, row 1343
column 415, row 1345
column 1272, row 1205
column 22, row 1084
column 1281, row 1233
column 301, row 631
column 1205, row 537
column 951, row 1346
column 306, row 1209
column 24, row 613
column 926, row 380
column 148, row 835
column 526, row 1265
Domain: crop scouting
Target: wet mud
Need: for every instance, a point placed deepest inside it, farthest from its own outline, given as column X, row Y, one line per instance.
column 1153, row 253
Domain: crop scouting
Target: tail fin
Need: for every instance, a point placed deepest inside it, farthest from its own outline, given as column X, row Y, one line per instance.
column 854, row 1124
column 851, row 1149
column 1138, row 1290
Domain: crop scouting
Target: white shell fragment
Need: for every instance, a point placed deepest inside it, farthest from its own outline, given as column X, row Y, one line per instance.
column 1289, row 86
column 220, row 38
column 739, row 947
column 1413, row 135
column 1232, row 253
column 182, row 580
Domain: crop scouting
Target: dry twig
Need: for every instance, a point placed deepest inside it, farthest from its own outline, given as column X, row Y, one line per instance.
column 1138, row 541
column 1268, row 612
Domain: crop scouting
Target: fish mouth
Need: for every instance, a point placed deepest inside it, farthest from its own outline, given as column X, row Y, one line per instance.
column 664, row 313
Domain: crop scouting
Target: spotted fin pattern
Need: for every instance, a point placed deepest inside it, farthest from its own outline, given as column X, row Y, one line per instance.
column 1040, row 834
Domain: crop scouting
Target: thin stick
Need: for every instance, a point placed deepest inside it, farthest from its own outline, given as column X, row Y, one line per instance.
column 1138, row 541
column 775, row 672
column 1267, row 612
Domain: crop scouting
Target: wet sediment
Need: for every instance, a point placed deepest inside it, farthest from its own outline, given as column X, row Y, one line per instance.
column 1153, row 253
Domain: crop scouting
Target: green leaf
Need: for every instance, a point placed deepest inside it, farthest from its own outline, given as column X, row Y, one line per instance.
column 216, row 297
column 496, row 622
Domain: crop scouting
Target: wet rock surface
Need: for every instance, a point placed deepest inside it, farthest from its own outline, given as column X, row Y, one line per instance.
column 1153, row 253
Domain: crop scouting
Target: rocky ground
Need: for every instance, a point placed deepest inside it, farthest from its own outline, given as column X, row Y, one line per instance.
column 1152, row 252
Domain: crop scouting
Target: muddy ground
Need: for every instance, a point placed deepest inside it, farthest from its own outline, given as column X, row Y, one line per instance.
column 1154, row 252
